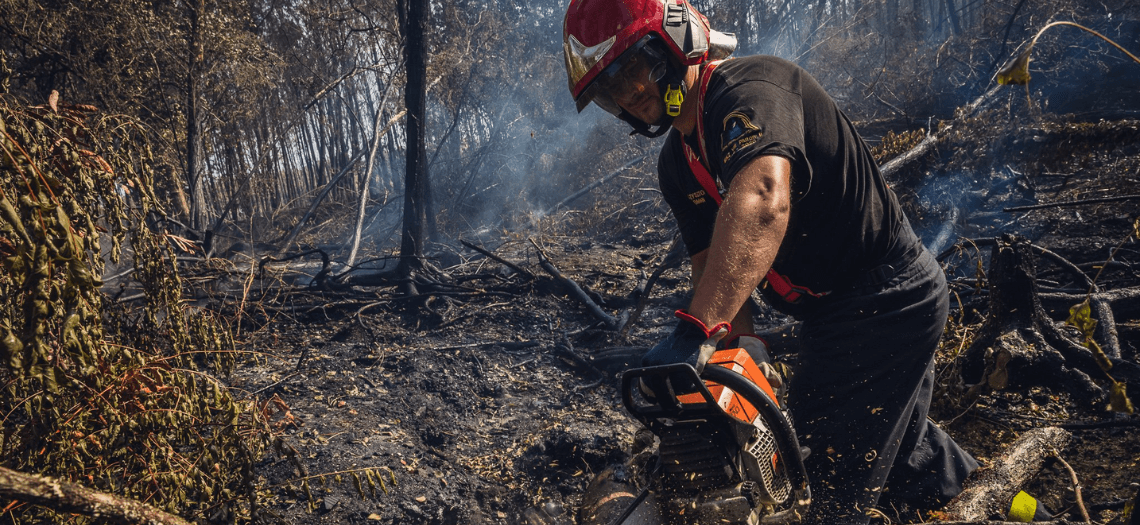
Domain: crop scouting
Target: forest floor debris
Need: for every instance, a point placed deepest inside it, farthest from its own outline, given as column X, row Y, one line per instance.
column 500, row 405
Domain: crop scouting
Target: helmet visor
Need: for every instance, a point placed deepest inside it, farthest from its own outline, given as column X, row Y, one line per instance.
column 636, row 70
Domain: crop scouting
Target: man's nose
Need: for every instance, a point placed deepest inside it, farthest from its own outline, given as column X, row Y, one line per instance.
column 631, row 92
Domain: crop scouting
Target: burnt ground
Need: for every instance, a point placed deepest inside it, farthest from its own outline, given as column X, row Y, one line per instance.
column 497, row 401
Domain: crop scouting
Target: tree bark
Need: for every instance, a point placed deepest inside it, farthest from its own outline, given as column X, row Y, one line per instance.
column 990, row 490
column 64, row 496
column 415, row 175
column 194, row 179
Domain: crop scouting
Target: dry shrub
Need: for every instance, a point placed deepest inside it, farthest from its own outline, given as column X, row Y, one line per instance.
column 117, row 399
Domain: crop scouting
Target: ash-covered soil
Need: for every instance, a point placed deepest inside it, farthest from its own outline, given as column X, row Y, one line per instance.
column 496, row 401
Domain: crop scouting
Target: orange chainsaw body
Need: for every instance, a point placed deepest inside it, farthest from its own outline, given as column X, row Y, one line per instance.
column 738, row 360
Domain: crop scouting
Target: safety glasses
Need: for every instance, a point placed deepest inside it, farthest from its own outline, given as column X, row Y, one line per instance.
column 635, row 70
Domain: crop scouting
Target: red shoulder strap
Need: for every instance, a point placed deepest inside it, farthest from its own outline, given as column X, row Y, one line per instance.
column 696, row 164
column 783, row 287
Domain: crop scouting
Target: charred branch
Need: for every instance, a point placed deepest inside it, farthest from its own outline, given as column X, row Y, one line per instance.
column 1081, row 202
column 575, row 290
column 70, row 497
column 672, row 259
column 932, row 139
column 516, row 268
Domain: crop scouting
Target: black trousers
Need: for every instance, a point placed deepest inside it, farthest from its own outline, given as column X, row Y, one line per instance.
column 861, row 391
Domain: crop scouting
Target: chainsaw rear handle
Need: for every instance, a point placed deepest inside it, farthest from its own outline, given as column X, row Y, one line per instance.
column 668, row 406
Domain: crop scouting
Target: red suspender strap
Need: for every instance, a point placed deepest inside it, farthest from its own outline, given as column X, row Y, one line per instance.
column 791, row 293
column 702, row 175
column 696, row 165
column 783, row 287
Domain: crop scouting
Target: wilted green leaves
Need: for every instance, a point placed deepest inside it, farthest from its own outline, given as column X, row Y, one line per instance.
column 1017, row 71
column 91, row 394
column 1080, row 317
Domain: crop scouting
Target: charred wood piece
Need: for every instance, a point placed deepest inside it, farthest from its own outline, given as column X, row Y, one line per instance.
column 1018, row 343
column 1101, row 301
column 320, row 279
column 565, row 351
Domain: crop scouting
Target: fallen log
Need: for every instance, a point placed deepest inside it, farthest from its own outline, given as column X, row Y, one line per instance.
column 932, row 139
column 65, row 496
column 990, row 489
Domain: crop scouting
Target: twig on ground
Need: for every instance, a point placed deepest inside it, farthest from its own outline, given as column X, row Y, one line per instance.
column 274, row 384
column 1080, row 202
column 1076, row 484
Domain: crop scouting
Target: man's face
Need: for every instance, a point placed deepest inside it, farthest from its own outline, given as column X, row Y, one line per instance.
column 634, row 88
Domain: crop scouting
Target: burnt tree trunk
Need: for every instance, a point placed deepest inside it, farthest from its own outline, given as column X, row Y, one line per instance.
column 415, row 175
column 1018, row 343
column 194, row 179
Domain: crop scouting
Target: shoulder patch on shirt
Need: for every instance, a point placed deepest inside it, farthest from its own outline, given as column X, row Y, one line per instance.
column 738, row 132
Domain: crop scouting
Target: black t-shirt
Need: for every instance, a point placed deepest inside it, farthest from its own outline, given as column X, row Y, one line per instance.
column 844, row 219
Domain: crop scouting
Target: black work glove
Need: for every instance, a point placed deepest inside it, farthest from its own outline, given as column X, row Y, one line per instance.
column 684, row 344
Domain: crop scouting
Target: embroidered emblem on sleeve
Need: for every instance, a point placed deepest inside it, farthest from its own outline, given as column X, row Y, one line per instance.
column 738, row 133
column 697, row 197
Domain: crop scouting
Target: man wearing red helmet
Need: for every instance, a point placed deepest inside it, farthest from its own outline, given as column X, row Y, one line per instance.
column 773, row 188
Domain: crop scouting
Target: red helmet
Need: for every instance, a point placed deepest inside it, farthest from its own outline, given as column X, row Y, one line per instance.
column 598, row 34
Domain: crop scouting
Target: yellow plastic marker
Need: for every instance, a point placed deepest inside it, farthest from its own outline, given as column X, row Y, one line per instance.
column 1022, row 509
column 673, row 99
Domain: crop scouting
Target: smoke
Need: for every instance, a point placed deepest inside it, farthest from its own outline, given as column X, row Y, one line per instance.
column 519, row 144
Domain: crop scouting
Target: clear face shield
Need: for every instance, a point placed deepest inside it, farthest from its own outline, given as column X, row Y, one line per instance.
column 635, row 71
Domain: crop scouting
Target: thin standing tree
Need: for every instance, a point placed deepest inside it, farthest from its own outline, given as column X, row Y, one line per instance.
column 415, row 175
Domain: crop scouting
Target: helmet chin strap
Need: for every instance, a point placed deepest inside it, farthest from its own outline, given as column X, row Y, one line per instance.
column 641, row 128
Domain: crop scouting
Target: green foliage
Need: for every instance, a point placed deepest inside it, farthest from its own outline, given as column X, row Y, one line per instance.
column 106, row 397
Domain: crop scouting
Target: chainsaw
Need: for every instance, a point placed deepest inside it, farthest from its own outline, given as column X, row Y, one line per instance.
column 726, row 454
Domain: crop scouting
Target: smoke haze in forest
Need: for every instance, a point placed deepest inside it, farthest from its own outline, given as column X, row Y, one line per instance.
column 256, row 107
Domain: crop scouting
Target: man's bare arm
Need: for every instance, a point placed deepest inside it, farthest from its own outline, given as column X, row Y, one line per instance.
column 750, row 226
column 742, row 322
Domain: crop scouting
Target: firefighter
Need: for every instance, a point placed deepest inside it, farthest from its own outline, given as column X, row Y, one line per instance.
column 772, row 188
